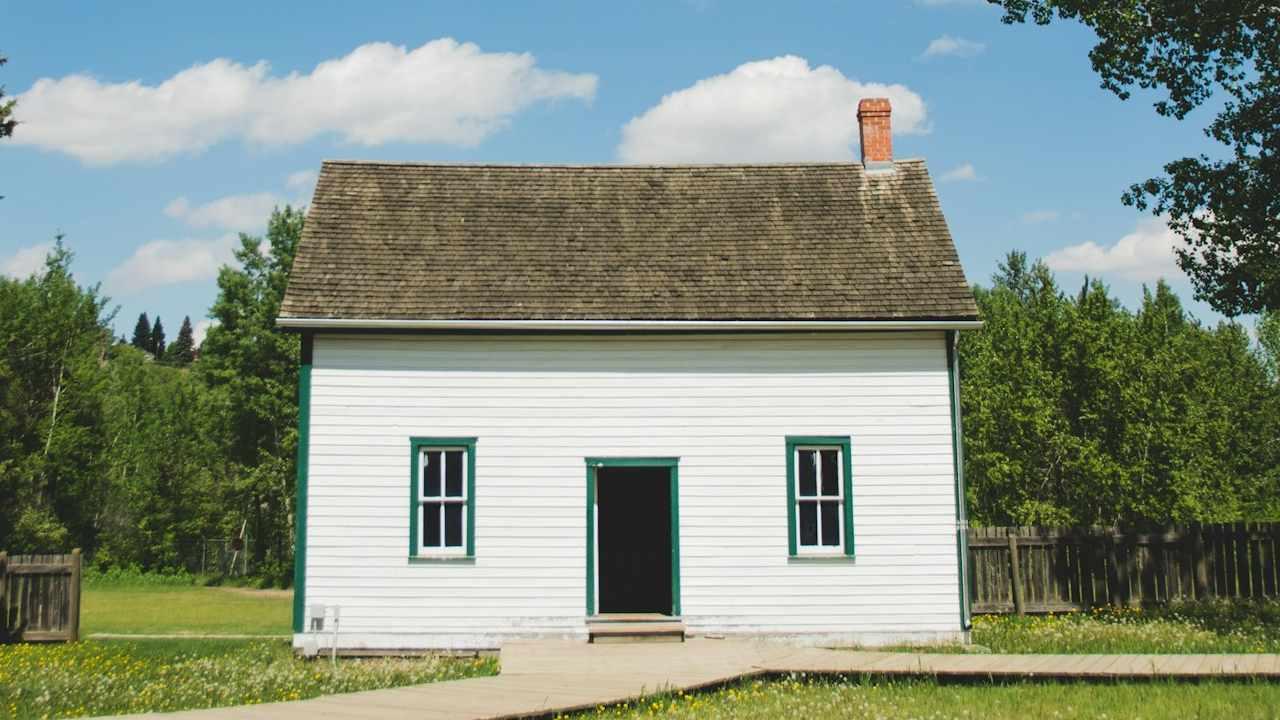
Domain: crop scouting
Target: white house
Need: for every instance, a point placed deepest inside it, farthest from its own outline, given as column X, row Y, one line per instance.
column 538, row 397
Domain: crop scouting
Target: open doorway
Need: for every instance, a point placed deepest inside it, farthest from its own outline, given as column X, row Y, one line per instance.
column 635, row 543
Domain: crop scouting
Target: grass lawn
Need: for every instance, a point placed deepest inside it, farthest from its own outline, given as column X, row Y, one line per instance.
column 97, row 677
column 822, row 699
column 1216, row 627
column 114, row 677
column 1199, row 628
column 184, row 609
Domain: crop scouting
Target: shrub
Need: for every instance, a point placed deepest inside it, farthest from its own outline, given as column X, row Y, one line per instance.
column 133, row 576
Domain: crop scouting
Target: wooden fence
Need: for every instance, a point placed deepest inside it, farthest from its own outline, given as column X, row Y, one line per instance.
column 40, row 597
column 1024, row 569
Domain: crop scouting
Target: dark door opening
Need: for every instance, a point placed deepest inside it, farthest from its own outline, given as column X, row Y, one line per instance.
column 634, row 539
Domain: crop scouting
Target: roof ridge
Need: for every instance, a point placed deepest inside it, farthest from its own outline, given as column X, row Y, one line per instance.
column 609, row 166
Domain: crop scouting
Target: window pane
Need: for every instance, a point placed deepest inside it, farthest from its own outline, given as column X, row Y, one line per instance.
column 808, row 473
column 453, row 473
column 830, row 472
column 453, row 525
column 431, row 475
column 830, row 518
column 431, row 525
column 808, row 523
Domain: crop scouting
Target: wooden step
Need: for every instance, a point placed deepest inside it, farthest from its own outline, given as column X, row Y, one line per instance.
column 632, row 618
column 614, row 629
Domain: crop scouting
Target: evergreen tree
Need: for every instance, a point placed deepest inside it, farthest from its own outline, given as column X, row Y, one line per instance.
column 142, row 334
column 182, row 350
column 156, row 348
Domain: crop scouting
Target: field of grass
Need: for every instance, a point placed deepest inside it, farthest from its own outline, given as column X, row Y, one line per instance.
column 97, row 677
column 125, row 676
column 164, row 609
column 116, row 677
column 1199, row 628
column 823, row 699
column 1218, row 627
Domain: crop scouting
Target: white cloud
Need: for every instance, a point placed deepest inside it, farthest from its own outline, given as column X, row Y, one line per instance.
column 962, row 173
column 1035, row 217
column 170, row 262
column 200, row 330
column 301, row 180
column 1145, row 254
column 442, row 92
column 951, row 46
column 244, row 213
column 770, row 110
column 26, row 261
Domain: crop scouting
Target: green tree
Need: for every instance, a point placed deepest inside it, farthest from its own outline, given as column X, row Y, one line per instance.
column 1078, row 411
column 7, row 123
column 156, row 345
column 253, row 367
column 1226, row 210
column 53, row 339
column 163, row 466
column 182, row 351
column 142, row 334
column 1268, row 328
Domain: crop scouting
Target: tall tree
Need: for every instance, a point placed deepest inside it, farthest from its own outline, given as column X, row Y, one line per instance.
column 7, row 123
column 1227, row 210
column 156, row 345
column 1079, row 411
column 53, row 338
column 1268, row 328
column 253, row 366
column 183, row 349
column 142, row 334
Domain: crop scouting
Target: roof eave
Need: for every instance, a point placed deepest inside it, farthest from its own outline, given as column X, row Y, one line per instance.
column 311, row 323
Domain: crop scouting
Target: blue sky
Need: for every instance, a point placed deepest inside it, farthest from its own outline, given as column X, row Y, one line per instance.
column 156, row 131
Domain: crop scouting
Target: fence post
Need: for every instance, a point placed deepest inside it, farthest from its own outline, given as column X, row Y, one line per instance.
column 1015, row 574
column 1202, row 564
column 1113, row 568
column 73, row 598
column 4, row 587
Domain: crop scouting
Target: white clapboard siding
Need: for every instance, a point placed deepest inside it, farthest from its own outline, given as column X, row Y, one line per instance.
column 722, row 404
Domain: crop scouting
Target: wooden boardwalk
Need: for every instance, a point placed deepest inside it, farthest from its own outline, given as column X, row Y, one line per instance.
column 542, row 678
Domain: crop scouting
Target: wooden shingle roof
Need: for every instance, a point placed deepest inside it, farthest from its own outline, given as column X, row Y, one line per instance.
column 712, row 242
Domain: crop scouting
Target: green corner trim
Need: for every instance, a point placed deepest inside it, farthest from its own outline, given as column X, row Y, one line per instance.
column 300, row 501
column 415, row 446
column 846, row 450
column 957, row 461
column 673, row 466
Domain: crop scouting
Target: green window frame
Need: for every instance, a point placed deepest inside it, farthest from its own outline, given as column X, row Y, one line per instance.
column 822, row 496
column 421, row 501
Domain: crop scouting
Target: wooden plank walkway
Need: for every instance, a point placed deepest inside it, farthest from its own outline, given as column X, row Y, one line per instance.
column 543, row 678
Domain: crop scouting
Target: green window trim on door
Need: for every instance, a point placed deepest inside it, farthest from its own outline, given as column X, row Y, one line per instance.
column 673, row 487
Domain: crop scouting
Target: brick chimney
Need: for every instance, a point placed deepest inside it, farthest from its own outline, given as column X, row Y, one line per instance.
column 873, row 134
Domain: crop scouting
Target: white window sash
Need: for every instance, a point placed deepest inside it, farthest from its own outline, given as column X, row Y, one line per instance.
column 442, row 501
column 818, row 499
